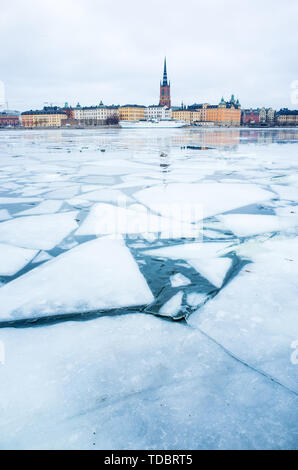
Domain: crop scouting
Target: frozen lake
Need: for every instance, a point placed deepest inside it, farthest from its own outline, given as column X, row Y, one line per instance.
column 149, row 289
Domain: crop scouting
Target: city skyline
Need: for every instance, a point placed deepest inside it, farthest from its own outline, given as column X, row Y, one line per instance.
column 74, row 52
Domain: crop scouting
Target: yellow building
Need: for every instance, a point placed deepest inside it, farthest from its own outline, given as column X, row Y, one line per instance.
column 44, row 118
column 131, row 112
column 286, row 117
column 188, row 115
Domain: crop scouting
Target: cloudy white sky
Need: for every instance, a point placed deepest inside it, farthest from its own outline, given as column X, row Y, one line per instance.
column 87, row 50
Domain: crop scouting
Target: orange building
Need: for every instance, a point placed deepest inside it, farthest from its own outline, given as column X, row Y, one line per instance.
column 227, row 113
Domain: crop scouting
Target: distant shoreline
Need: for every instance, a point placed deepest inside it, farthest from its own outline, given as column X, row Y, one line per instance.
column 63, row 128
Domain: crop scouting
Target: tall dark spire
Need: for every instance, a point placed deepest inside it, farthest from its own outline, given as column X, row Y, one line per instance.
column 165, row 89
column 165, row 76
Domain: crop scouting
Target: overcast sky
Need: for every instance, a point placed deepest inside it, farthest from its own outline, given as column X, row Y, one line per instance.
column 91, row 50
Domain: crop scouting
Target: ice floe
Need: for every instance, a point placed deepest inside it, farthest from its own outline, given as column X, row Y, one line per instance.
column 255, row 315
column 178, row 280
column 213, row 269
column 4, row 215
column 172, row 306
column 194, row 299
column 106, row 195
column 66, row 193
column 135, row 382
column 97, row 275
column 106, row 219
column 45, row 207
column 41, row 257
column 42, row 232
column 192, row 250
column 244, row 225
column 286, row 192
column 18, row 200
column 209, row 198
column 13, row 258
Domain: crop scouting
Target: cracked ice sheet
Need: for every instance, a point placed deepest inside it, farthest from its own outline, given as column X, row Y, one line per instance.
column 244, row 225
column 203, row 257
column 172, row 307
column 42, row 232
column 13, row 258
column 18, row 200
column 45, row 207
column 106, row 195
column 192, row 250
column 130, row 382
column 4, row 215
column 178, row 280
column 104, row 219
column 286, row 192
column 66, row 193
column 255, row 315
column 211, row 198
column 96, row 275
column 212, row 269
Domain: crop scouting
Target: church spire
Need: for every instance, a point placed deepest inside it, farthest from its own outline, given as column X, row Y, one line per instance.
column 165, row 75
column 165, row 90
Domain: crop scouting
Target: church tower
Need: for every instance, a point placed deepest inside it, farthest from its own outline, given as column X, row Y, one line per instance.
column 165, row 89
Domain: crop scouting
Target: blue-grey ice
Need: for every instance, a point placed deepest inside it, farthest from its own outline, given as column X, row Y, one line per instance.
column 98, row 265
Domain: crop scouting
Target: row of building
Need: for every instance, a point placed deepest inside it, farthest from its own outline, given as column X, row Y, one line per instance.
column 225, row 113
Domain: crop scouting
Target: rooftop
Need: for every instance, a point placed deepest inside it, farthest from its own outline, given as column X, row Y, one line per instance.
column 42, row 111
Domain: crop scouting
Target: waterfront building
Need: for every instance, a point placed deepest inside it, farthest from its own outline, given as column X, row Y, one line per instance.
column 47, row 117
column 252, row 116
column 189, row 115
column 131, row 112
column 9, row 118
column 165, row 88
column 94, row 115
column 226, row 113
column 158, row 112
column 287, row 117
column 68, row 110
column 267, row 116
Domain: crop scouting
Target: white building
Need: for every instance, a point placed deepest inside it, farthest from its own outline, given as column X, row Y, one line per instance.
column 95, row 113
column 158, row 112
column 267, row 115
